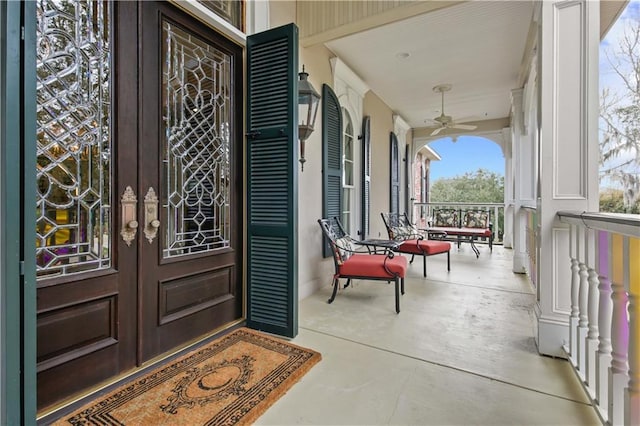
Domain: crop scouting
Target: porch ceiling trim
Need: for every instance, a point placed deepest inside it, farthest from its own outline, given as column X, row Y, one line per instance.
column 308, row 13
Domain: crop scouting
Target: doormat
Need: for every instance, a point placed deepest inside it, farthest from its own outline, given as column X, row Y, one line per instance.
column 232, row 380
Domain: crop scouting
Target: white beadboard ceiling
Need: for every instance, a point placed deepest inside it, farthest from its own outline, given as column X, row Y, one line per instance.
column 476, row 46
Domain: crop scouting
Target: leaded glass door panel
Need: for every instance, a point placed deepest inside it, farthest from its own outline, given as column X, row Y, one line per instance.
column 86, row 273
column 190, row 153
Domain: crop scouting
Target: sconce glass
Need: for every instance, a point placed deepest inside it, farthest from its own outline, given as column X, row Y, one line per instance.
column 308, row 101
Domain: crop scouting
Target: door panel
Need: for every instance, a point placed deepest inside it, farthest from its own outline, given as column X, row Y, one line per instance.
column 136, row 98
column 86, row 273
column 190, row 153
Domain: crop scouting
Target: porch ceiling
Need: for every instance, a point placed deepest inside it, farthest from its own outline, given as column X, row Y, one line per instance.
column 477, row 46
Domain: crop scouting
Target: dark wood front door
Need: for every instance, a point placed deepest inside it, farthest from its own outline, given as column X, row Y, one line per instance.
column 191, row 114
column 139, row 246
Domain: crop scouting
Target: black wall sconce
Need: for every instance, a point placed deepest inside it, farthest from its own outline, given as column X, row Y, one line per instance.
column 308, row 101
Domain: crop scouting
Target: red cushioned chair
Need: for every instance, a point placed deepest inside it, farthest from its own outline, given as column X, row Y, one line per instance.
column 401, row 229
column 353, row 264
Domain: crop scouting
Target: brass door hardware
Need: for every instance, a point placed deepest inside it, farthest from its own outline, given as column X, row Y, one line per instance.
column 151, row 222
column 129, row 201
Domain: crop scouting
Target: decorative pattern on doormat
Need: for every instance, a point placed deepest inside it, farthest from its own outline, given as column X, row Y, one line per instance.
column 232, row 380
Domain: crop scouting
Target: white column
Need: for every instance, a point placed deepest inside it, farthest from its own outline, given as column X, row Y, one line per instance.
column 257, row 16
column 507, row 238
column 568, row 150
column 519, row 241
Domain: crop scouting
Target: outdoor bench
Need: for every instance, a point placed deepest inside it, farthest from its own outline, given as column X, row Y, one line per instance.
column 462, row 226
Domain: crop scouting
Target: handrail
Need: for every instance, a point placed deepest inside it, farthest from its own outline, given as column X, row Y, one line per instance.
column 619, row 223
column 422, row 211
column 452, row 203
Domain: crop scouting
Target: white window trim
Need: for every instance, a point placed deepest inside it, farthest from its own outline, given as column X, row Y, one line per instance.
column 198, row 11
column 401, row 128
column 350, row 90
column 352, row 160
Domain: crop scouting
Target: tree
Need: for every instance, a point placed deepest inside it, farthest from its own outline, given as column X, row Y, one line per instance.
column 620, row 115
column 612, row 200
column 481, row 186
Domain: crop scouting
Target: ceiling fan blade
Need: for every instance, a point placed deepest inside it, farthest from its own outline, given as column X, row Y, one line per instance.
column 438, row 130
column 463, row 126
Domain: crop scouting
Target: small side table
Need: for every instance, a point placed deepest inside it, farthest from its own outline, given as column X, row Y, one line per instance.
column 434, row 234
column 376, row 245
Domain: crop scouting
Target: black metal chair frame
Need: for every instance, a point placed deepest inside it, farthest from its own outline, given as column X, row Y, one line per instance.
column 334, row 232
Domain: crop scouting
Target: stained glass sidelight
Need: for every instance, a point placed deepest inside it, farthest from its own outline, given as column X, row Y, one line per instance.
column 73, row 118
column 196, row 85
column 229, row 10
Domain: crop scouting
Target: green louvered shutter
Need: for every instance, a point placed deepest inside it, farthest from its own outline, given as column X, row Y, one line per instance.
column 272, row 181
column 366, row 177
column 394, row 192
column 331, row 159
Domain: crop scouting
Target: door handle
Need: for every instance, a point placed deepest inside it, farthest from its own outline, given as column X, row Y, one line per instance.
column 151, row 222
column 129, row 201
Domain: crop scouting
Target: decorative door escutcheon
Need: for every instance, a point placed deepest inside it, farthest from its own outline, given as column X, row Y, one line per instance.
column 129, row 202
column 151, row 222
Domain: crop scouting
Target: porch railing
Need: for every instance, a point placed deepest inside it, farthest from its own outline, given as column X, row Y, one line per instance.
column 604, row 338
column 423, row 213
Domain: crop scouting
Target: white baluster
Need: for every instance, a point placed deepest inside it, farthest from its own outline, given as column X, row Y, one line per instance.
column 583, row 299
column 592, row 335
column 573, row 318
column 632, row 400
column 618, row 376
column 603, row 359
column 583, row 321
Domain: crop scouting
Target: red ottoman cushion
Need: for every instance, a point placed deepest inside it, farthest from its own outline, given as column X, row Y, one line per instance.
column 427, row 247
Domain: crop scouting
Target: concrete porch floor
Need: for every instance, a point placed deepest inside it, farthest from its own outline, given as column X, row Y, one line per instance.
column 461, row 352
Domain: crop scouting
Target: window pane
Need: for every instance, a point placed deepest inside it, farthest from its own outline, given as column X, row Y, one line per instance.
column 229, row 10
column 348, row 173
column 346, row 213
column 348, row 148
column 73, row 119
column 197, row 95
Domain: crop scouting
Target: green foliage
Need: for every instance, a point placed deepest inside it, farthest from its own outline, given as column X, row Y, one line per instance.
column 481, row 186
column 612, row 201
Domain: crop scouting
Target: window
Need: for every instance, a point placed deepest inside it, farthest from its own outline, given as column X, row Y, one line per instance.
column 348, row 183
column 394, row 174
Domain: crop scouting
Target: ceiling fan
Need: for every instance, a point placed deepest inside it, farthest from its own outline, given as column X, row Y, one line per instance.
column 446, row 121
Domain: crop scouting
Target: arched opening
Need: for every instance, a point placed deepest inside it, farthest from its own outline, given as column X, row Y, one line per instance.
column 461, row 172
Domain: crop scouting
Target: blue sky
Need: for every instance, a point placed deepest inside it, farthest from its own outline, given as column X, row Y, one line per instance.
column 467, row 154
column 608, row 77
